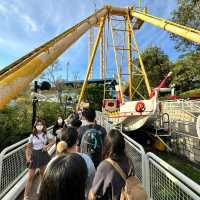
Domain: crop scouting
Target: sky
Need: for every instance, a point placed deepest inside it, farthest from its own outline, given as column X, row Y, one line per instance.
column 26, row 24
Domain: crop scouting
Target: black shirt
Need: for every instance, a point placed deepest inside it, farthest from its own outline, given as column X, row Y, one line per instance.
column 84, row 128
column 58, row 126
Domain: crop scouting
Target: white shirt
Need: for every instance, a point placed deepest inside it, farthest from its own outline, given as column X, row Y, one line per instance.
column 91, row 172
column 39, row 141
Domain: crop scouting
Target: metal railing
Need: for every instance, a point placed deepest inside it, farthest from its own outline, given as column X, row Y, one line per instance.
column 161, row 180
column 186, row 145
column 137, row 155
column 13, row 165
column 188, row 106
column 167, row 183
column 184, row 115
column 134, row 150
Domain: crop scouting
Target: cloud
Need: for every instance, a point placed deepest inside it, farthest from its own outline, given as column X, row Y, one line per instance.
column 28, row 24
column 3, row 9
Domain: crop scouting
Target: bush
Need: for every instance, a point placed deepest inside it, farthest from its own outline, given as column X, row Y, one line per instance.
column 191, row 93
column 16, row 122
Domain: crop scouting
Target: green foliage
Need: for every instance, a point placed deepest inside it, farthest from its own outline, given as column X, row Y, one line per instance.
column 49, row 112
column 156, row 63
column 190, row 93
column 94, row 95
column 157, row 66
column 188, row 14
column 15, row 123
column 185, row 70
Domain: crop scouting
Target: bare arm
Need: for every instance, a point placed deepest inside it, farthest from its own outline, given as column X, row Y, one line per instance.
column 28, row 150
column 51, row 142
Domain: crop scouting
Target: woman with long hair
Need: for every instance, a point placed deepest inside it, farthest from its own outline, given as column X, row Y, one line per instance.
column 68, row 145
column 64, row 178
column 36, row 152
column 107, row 183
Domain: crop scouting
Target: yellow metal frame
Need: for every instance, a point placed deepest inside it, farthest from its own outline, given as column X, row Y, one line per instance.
column 116, row 62
column 140, row 58
column 130, row 65
column 183, row 31
column 136, row 89
column 102, row 56
column 91, row 45
column 17, row 76
column 89, row 68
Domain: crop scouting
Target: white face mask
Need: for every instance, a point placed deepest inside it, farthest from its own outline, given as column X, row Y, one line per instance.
column 60, row 121
column 39, row 127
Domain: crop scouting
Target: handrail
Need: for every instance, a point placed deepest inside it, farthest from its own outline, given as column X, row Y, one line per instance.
column 6, row 157
column 19, row 143
column 139, row 146
column 171, row 170
column 143, row 164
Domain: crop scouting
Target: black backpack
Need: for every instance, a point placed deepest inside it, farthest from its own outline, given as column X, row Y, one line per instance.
column 91, row 144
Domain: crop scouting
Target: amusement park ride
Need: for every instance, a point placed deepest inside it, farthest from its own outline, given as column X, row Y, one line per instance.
column 132, row 113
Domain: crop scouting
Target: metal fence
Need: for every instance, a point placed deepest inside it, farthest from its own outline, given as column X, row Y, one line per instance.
column 167, row 183
column 186, row 145
column 191, row 106
column 137, row 155
column 13, row 165
column 161, row 181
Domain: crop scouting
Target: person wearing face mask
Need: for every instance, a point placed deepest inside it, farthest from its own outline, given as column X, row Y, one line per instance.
column 57, row 129
column 36, row 152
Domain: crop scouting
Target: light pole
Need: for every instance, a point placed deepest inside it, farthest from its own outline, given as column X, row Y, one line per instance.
column 34, row 104
column 67, row 70
column 43, row 86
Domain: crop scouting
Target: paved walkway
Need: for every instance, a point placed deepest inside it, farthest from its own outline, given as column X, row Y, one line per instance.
column 33, row 195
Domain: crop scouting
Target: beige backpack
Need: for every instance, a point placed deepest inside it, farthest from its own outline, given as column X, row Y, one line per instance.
column 132, row 190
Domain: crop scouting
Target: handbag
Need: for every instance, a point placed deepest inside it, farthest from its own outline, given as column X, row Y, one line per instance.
column 133, row 189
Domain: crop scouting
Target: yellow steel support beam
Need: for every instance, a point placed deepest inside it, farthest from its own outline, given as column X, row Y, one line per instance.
column 91, row 45
column 129, row 61
column 91, row 61
column 18, row 76
column 183, row 31
column 102, row 56
column 119, row 70
column 140, row 59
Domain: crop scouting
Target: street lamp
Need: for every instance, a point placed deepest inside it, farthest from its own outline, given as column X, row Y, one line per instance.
column 43, row 86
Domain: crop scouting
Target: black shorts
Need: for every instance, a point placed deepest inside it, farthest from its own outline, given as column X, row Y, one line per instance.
column 39, row 158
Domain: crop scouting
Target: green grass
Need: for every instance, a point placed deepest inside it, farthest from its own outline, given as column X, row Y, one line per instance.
column 186, row 167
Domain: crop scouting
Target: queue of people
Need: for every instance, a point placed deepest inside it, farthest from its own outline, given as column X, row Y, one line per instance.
column 80, row 170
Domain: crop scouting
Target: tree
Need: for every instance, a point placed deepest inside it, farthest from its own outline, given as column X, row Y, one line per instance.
column 187, row 14
column 156, row 63
column 50, row 74
column 94, row 95
column 186, row 70
column 15, row 123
